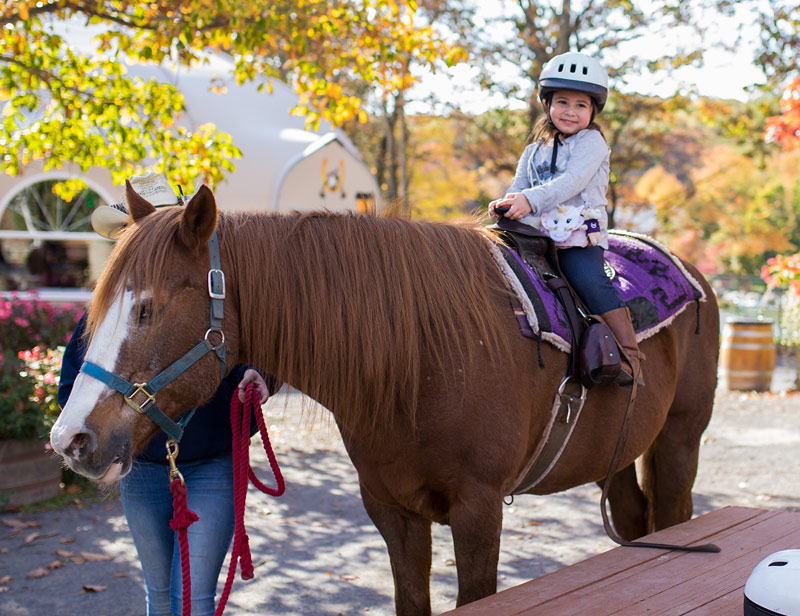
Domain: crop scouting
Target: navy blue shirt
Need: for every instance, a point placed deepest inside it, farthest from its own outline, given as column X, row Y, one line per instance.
column 208, row 433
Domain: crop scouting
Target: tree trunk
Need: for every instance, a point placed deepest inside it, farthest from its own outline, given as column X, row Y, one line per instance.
column 402, row 153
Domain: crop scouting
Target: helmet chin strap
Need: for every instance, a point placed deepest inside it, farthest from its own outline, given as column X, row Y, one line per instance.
column 556, row 141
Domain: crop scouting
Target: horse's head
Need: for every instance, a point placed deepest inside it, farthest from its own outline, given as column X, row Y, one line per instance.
column 150, row 307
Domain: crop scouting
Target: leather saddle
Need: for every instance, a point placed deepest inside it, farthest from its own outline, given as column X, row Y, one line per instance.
column 534, row 247
column 593, row 344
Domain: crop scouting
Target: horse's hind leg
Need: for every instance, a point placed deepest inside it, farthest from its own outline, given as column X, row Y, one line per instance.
column 628, row 504
column 408, row 540
column 476, row 523
column 670, row 464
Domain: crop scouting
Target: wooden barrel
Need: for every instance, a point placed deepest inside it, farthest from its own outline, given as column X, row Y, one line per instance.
column 30, row 473
column 747, row 354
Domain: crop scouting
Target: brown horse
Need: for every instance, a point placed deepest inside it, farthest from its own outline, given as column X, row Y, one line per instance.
column 404, row 331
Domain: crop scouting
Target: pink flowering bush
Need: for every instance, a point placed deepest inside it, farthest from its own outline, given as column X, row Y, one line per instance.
column 29, row 393
column 26, row 323
column 783, row 271
column 32, row 335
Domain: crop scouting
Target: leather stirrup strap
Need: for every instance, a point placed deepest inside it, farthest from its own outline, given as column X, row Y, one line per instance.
column 562, row 291
column 612, row 470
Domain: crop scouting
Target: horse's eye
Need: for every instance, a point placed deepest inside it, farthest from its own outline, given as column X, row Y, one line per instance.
column 144, row 312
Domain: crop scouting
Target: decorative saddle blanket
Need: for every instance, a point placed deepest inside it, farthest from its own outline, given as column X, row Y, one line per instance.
column 650, row 280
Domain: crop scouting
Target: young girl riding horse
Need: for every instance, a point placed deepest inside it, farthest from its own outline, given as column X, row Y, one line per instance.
column 560, row 187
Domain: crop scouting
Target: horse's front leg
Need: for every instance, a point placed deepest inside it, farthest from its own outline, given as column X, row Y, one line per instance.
column 476, row 521
column 408, row 539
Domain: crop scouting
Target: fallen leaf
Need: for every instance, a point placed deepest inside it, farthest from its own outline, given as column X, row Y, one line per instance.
column 5, row 579
column 3, row 550
column 3, row 588
column 96, row 558
column 348, row 578
column 56, row 564
column 37, row 535
column 120, row 575
column 78, row 560
column 37, row 573
column 17, row 523
column 68, row 540
column 72, row 489
column 94, row 587
column 64, row 553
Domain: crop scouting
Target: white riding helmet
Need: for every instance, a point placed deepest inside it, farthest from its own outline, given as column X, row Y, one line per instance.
column 574, row 71
column 772, row 588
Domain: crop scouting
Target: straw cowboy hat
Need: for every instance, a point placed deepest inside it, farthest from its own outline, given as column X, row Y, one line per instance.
column 109, row 220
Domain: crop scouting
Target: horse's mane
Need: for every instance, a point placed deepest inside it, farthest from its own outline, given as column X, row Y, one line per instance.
column 345, row 307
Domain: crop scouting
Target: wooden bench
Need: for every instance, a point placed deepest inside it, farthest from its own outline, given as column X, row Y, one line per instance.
column 648, row 582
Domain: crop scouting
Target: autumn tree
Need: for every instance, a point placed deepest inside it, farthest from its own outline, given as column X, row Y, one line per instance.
column 784, row 129
column 779, row 22
column 64, row 105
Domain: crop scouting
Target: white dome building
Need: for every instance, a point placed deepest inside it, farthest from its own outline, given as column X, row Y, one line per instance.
column 48, row 245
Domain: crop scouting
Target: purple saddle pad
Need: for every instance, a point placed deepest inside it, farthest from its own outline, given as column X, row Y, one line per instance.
column 652, row 282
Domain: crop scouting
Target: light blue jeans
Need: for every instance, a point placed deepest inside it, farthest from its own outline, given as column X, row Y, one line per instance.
column 147, row 500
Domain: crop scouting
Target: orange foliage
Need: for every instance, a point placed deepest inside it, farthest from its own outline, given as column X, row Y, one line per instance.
column 785, row 128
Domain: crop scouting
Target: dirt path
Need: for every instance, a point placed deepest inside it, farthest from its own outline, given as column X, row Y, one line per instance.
column 317, row 553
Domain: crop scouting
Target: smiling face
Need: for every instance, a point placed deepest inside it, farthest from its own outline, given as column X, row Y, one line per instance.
column 571, row 111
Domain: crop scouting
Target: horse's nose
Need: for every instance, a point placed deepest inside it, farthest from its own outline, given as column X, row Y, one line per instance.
column 79, row 447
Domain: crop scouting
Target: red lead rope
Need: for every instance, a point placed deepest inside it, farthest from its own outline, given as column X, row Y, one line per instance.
column 183, row 517
column 240, row 426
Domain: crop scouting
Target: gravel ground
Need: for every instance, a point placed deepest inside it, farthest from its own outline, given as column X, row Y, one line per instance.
column 316, row 551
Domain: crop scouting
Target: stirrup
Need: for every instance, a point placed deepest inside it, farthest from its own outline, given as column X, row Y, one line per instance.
column 624, row 377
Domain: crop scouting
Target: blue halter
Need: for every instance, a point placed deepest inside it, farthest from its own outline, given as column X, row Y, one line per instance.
column 216, row 292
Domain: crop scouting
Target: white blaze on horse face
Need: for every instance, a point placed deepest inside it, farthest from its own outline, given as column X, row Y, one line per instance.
column 88, row 391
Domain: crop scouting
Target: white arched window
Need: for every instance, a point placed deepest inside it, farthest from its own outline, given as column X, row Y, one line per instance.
column 47, row 243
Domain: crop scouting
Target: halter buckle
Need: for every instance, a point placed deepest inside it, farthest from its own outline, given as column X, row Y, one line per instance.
column 150, row 398
column 219, row 275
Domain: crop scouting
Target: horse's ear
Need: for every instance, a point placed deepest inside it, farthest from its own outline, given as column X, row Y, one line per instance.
column 138, row 206
column 199, row 218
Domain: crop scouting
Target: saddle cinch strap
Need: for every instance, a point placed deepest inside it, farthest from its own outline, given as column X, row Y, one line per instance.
column 216, row 293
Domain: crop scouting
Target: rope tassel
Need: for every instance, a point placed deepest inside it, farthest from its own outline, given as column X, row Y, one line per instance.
column 182, row 519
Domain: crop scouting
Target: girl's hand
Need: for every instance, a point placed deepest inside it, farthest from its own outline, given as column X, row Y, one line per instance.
column 504, row 202
column 518, row 206
column 492, row 205
column 252, row 376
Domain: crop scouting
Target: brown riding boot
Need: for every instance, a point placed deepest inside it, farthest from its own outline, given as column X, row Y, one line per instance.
column 619, row 320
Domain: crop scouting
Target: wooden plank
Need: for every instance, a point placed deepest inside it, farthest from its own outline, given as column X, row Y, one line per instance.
column 619, row 563
column 626, row 592
column 673, row 592
column 726, row 605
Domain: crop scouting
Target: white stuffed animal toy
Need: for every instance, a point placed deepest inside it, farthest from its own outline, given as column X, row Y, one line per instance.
column 561, row 221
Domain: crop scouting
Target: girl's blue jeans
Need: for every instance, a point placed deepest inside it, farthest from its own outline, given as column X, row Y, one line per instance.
column 147, row 500
column 583, row 269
